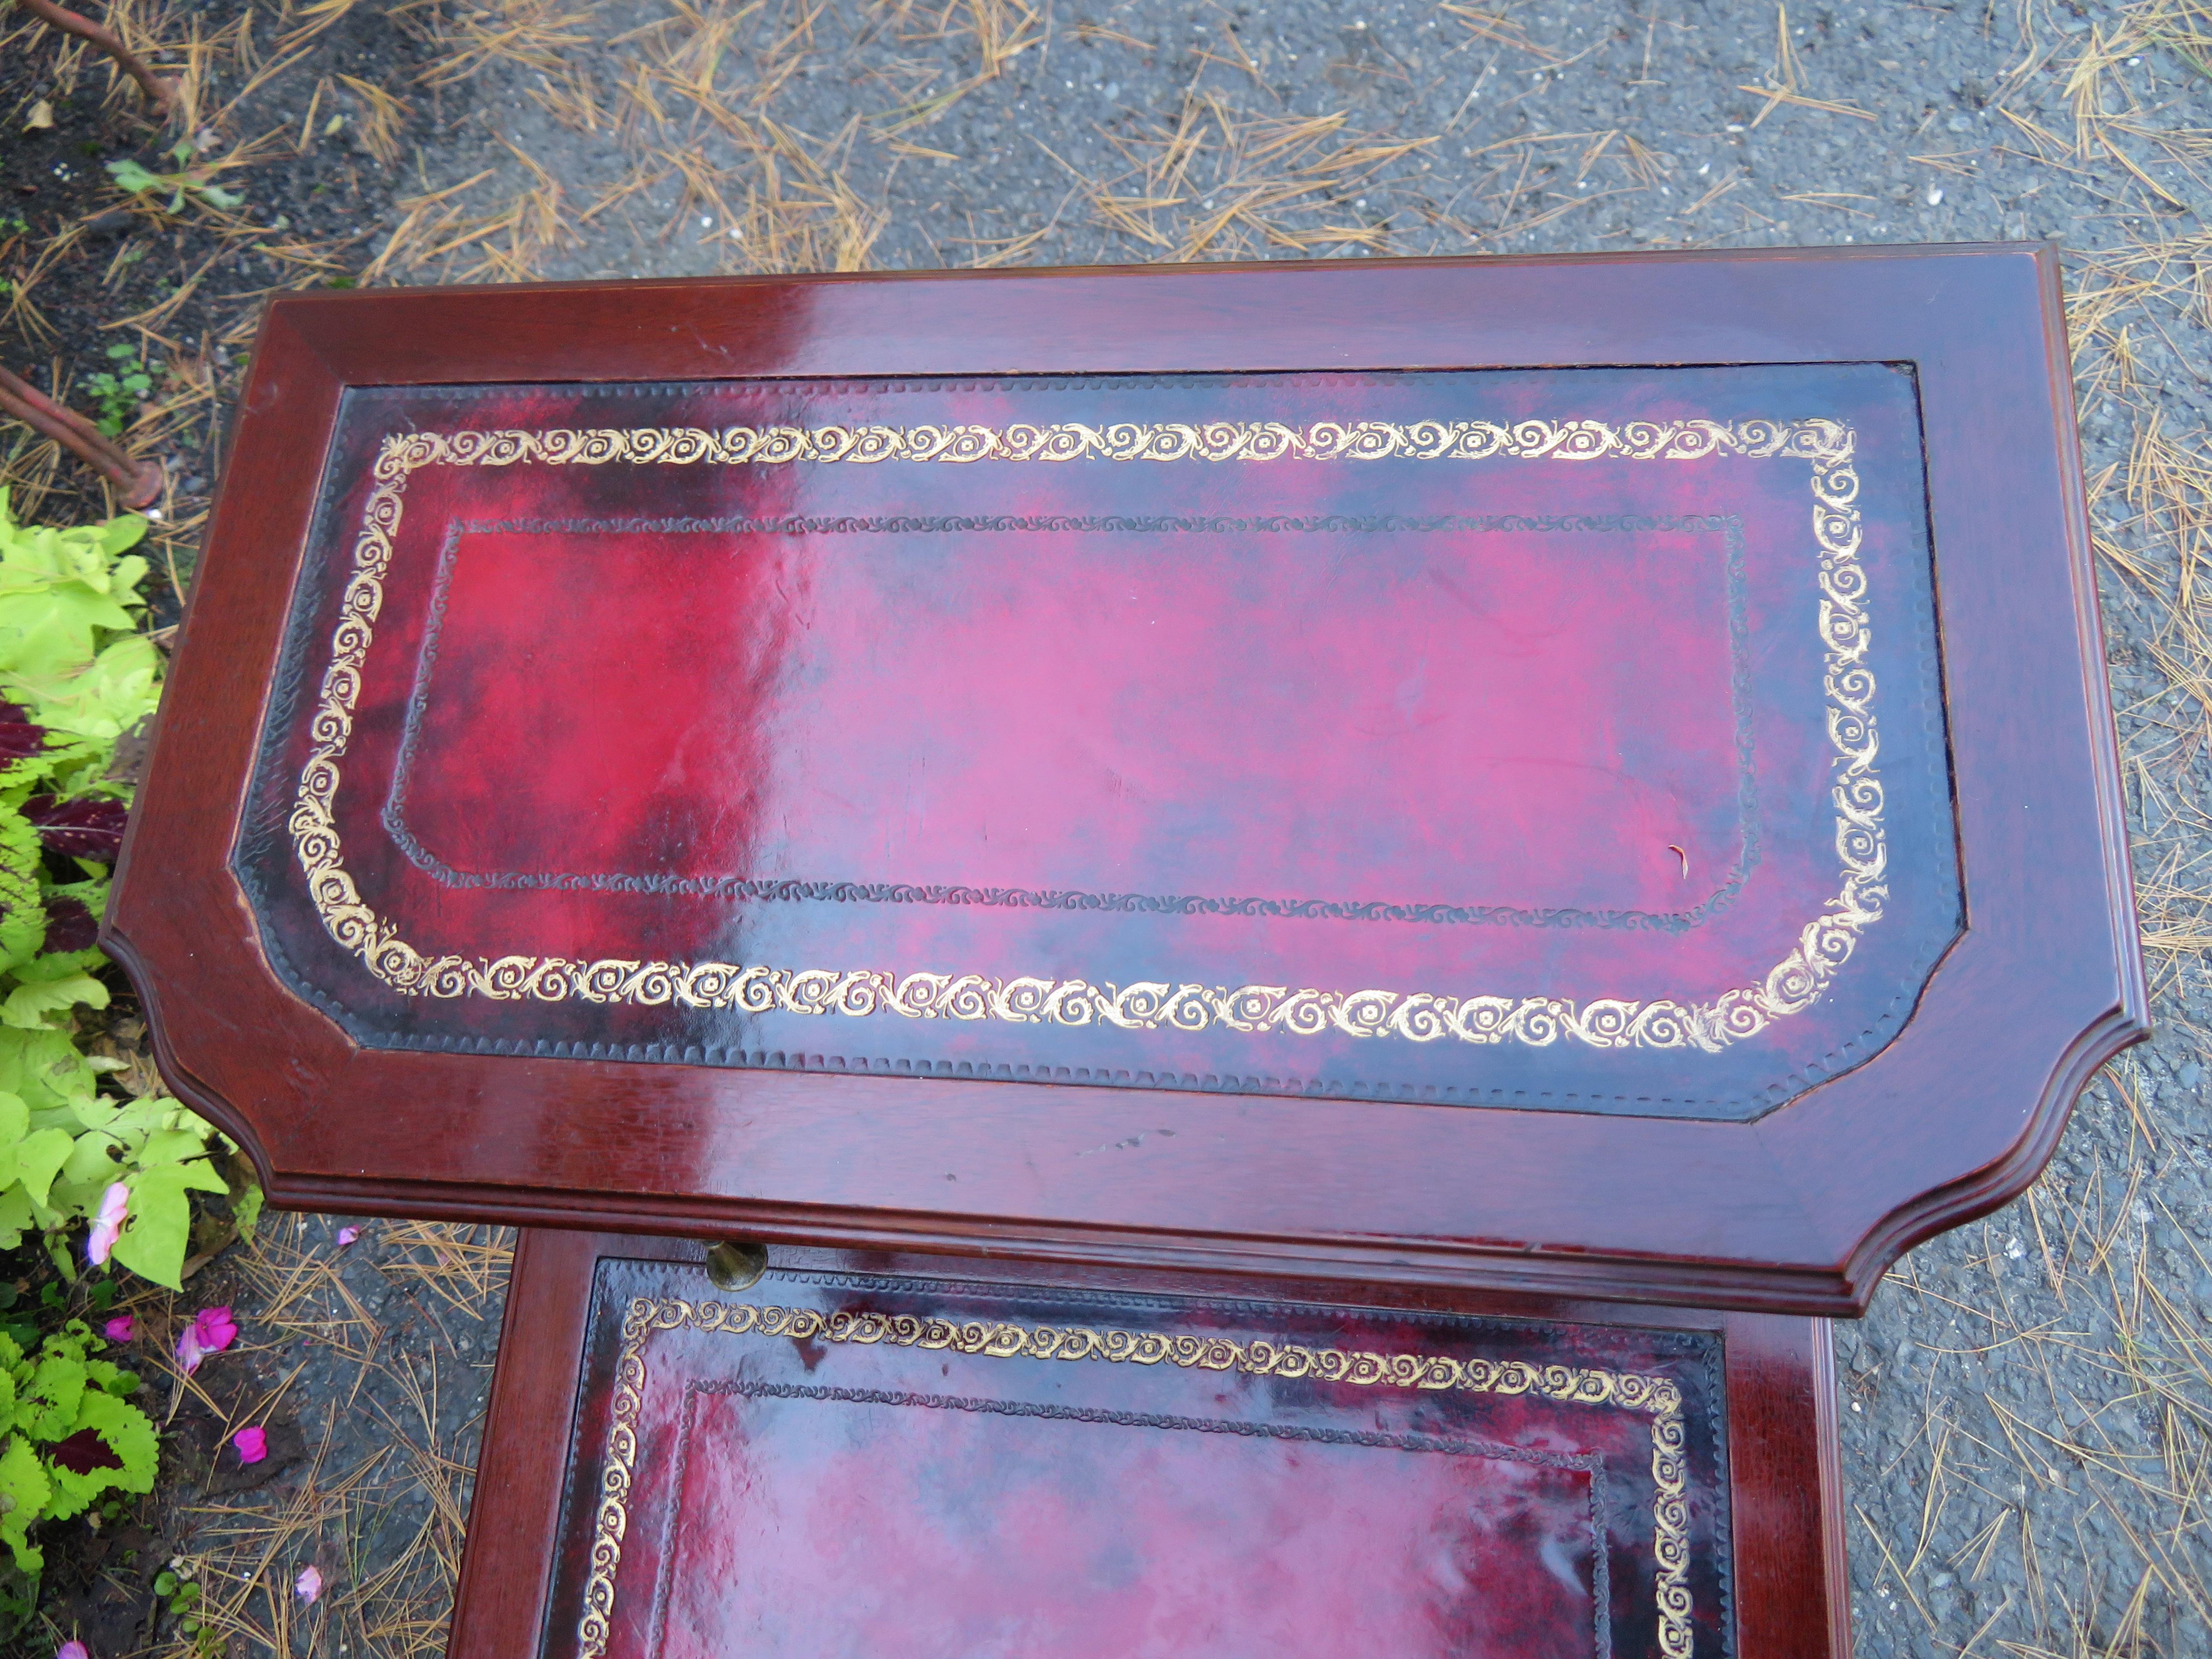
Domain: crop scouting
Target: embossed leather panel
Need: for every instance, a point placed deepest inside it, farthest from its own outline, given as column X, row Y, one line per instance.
column 830, row 1466
column 1563, row 739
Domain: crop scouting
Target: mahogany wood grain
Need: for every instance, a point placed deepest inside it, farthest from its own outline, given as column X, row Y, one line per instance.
column 1793, row 1584
column 507, row 1572
column 1787, row 1588
column 1800, row 1210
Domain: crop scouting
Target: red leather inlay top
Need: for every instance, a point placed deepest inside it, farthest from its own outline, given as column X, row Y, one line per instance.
column 1513, row 772
column 1468, row 725
column 1022, row 1471
column 810, row 1530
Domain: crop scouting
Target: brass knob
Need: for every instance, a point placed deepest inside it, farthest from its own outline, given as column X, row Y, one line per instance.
column 736, row 1264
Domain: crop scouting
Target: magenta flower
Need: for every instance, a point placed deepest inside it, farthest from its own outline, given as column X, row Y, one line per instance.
column 347, row 1235
column 72, row 1650
column 108, row 1225
column 119, row 1330
column 252, row 1444
column 211, row 1331
column 310, row 1585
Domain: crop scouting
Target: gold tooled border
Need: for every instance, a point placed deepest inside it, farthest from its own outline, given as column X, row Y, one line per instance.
column 1824, row 944
column 1630, row 1390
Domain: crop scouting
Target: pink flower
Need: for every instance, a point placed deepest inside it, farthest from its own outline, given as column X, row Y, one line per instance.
column 346, row 1236
column 118, row 1328
column 217, row 1330
column 252, row 1444
column 211, row 1331
column 310, row 1585
column 108, row 1225
column 72, row 1650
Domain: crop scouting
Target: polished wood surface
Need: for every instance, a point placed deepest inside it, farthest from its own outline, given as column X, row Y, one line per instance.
column 1799, row 1209
column 1766, row 1558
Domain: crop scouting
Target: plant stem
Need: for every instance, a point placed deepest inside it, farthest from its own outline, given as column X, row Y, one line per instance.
column 139, row 482
column 24, row 391
column 158, row 92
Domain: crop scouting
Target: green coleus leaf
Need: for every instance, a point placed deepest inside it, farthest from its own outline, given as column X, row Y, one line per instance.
column 47, row 1409
column 22, row 909
column 25, row 1491
column 125, row 1430
column 50, row 965
column 93, row 894
column 22, row 777
column 152, row 1244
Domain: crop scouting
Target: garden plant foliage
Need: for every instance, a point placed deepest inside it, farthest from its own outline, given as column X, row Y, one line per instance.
column 71, row 1434
column 76, row 675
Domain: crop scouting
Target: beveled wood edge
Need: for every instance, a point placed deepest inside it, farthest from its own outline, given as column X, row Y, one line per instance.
column 274, row 337
column 309, row 309
column 1997, row 1184
column 2128, row 1023
column 1843, row 1292
column 499, row 1610
column 1842, row 1289
column 2089, row 615
column 1785, row 1483
column 1834, row 1542
column 1658, row 1281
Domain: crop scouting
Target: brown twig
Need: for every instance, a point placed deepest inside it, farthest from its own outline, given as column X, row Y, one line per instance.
column 24, row 391
column 139, row 482
column 158, row 92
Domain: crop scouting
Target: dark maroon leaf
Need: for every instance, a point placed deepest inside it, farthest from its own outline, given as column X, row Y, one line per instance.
column 91, row 828
column 71, row 926
column 85, row 1451
column 19, row 737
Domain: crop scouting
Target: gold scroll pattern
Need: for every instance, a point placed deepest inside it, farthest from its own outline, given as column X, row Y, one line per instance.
column 1658, row 1396
column 1824, row 944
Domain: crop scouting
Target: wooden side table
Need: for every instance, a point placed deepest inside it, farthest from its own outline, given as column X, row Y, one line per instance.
column 1319, row 912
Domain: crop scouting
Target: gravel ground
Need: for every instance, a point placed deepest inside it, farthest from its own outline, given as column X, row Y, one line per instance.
column 2029, row 1417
